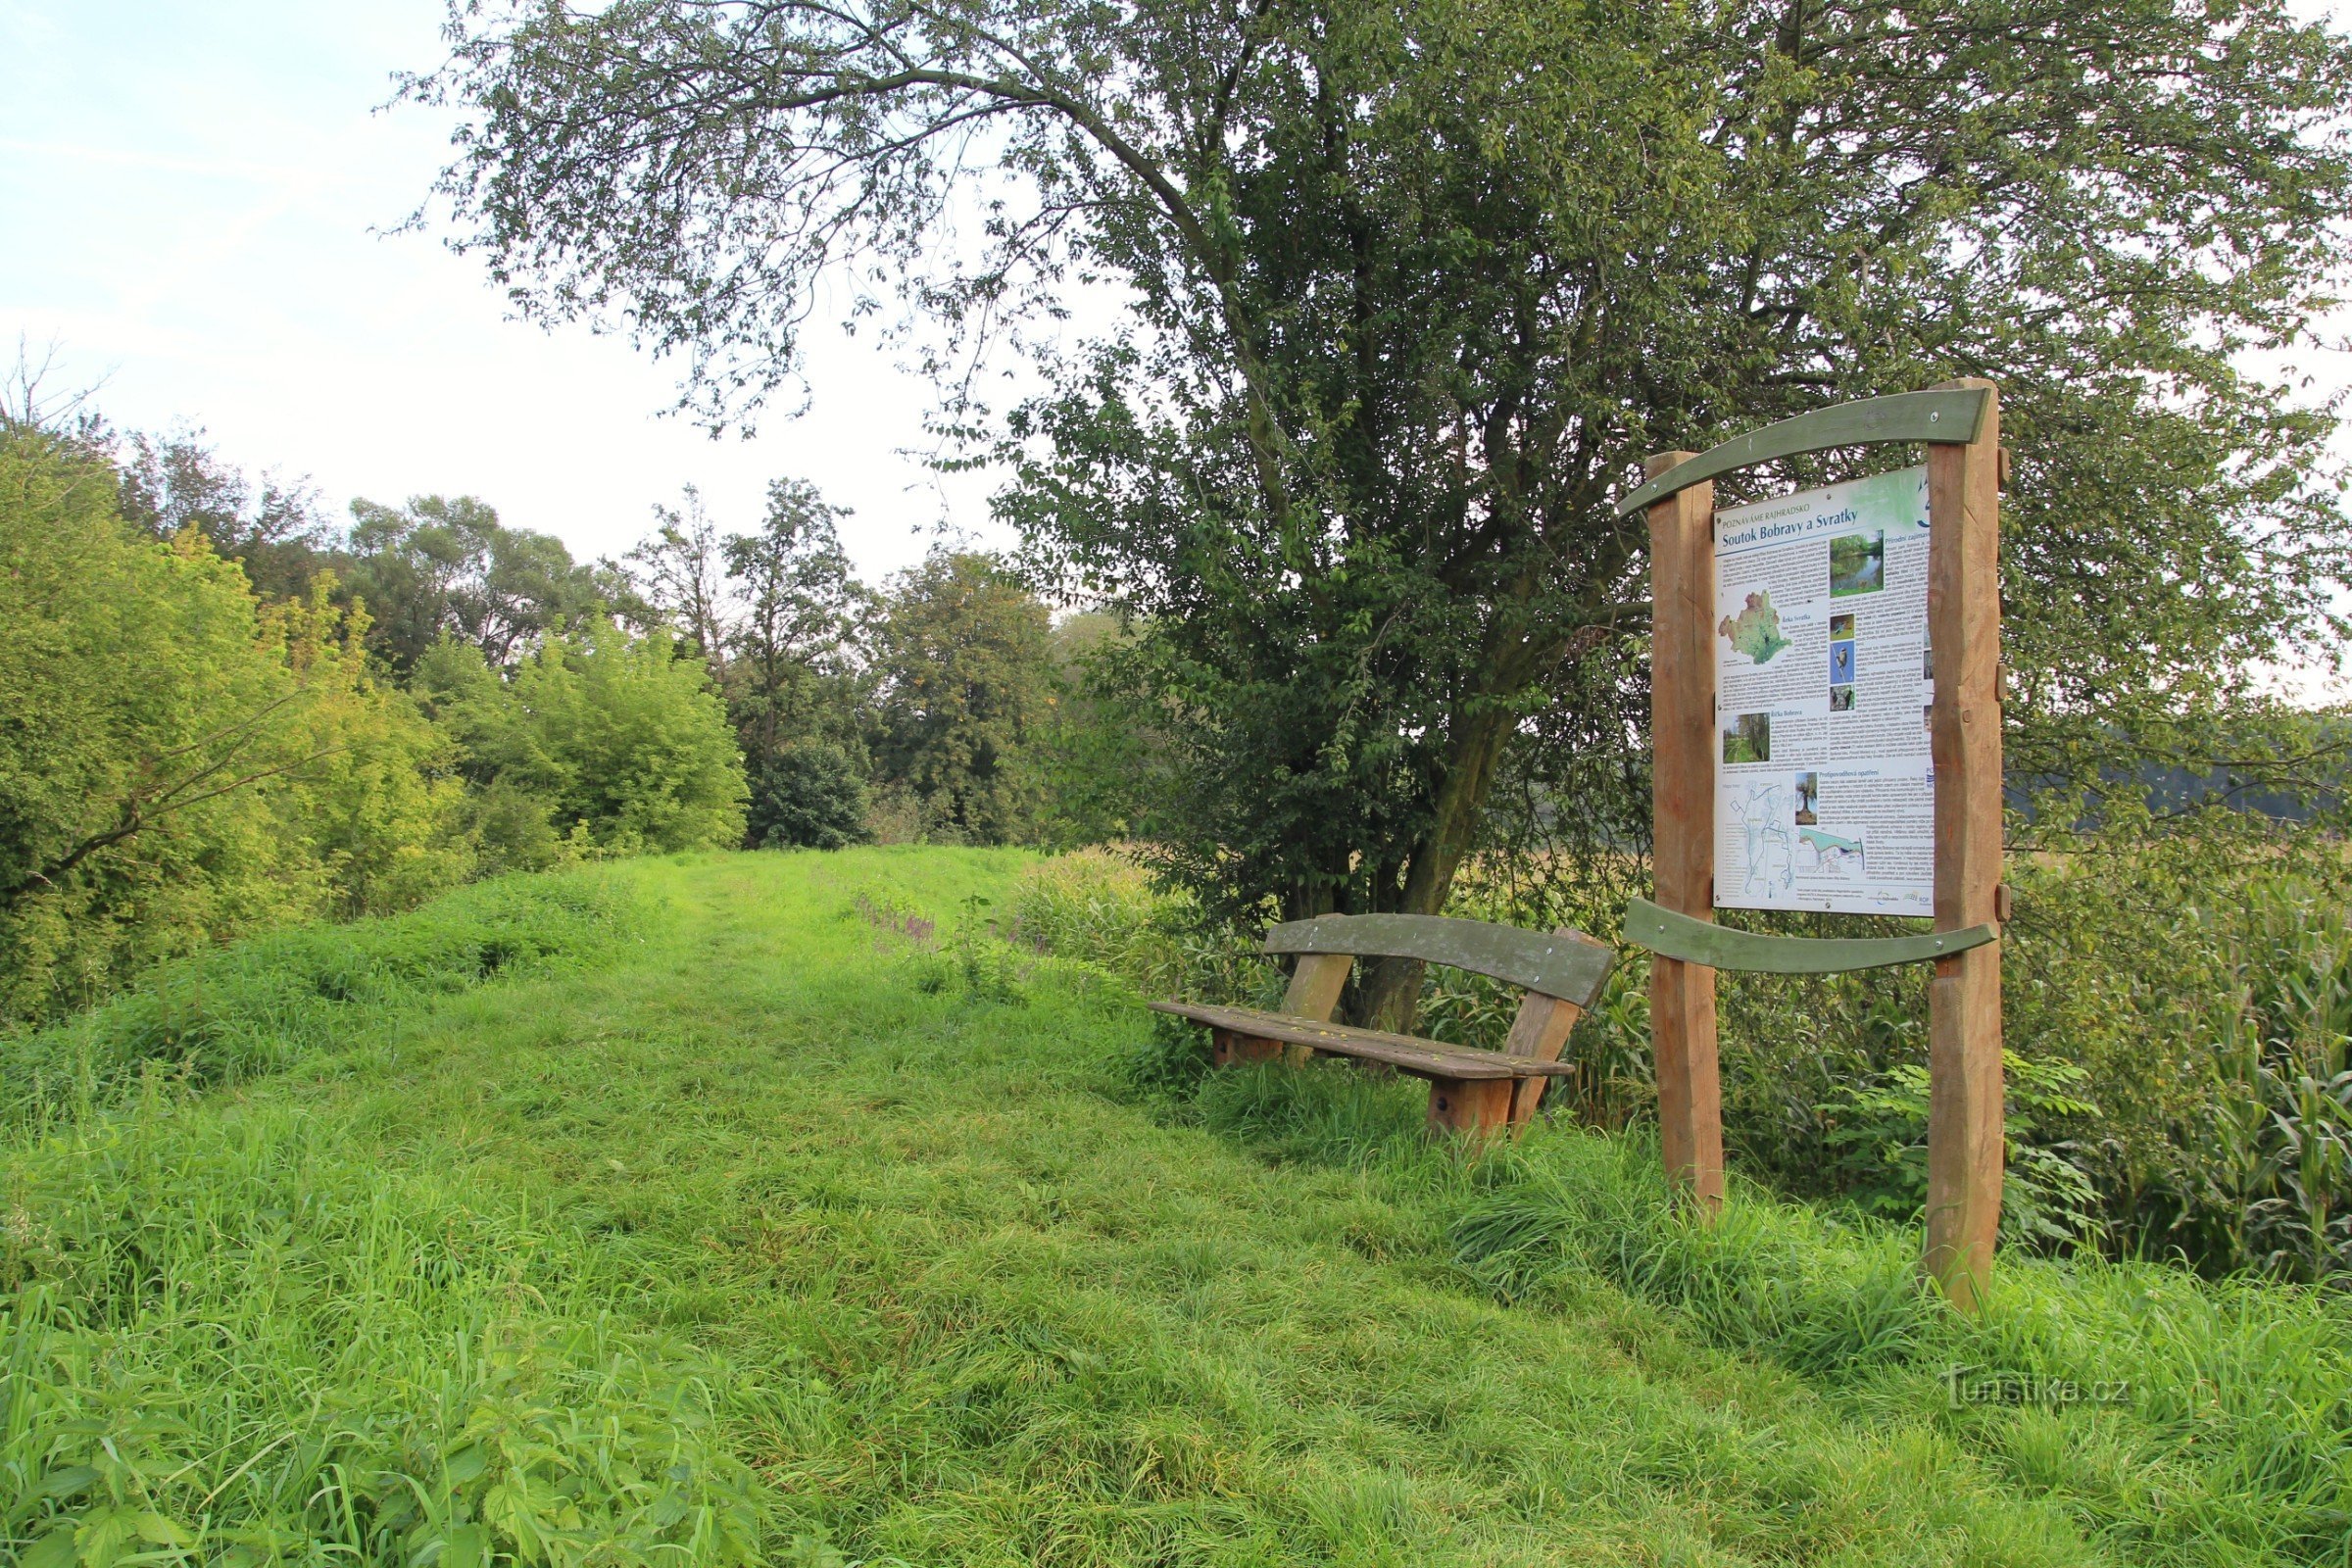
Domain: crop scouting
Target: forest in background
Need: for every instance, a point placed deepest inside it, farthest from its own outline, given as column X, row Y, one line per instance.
column 227, row 711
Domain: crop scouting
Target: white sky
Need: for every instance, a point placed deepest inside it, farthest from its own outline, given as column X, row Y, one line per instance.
column 188, row 200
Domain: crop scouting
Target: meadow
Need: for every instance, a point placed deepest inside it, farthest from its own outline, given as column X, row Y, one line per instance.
column 846, row 1209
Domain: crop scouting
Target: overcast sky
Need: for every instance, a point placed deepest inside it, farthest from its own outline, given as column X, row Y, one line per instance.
column 190, row 196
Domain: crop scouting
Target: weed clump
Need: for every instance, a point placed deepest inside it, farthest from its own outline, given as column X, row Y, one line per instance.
column 1099, row 908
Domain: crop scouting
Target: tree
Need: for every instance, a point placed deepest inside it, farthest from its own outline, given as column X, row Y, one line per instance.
column 796, row 687
column 439, row 567
column 1415, row 287
column 1100, row 755
column 273, row 529
column 612, row 743
column 181, row 762
column 680, row 568
column 965, row 672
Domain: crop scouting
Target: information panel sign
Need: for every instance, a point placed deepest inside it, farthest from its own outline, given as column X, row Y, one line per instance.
column 1825, row 794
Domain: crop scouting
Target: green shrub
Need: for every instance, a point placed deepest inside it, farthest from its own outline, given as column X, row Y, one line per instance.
column 1877, row 1132
column 182, row 762
column 808, row 793
column 623, row 739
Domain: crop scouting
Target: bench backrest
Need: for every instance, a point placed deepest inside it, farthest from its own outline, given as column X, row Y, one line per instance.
column 1567, row 964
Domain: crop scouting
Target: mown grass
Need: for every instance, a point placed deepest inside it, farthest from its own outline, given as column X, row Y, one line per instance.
column 785, row 1215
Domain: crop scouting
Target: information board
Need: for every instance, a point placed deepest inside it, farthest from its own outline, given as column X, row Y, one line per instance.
column 1825, row 792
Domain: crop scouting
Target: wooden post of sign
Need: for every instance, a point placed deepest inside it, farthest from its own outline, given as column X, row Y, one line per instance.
column 1683, row 741
column 1964, row 1020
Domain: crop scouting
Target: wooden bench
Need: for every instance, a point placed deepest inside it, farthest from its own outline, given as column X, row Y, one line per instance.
column 1470, row 1090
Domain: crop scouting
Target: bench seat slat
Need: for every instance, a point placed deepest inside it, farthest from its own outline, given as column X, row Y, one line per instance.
column 1423, row 1058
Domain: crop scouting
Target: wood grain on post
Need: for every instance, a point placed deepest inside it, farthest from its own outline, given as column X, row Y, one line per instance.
column 1314, row 993
column 1683, row 739
column 1475, row 1107
column 1964, row 1019
column 1538, row 1033
column 1316, row 984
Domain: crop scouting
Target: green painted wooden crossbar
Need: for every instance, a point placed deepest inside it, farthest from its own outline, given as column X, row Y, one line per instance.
column 1678, row 936
column 1950, row 415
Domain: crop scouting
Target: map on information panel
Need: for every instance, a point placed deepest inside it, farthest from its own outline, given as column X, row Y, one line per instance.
column 1825, row 796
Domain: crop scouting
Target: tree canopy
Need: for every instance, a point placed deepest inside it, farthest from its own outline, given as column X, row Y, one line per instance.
column 966, row 669
column 1414, row 288
column 179, row 760
column 440, row 567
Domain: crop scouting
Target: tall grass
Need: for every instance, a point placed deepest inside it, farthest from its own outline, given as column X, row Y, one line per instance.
column 237, row 1344
column 2185, row 1418
column 2182, row 1420
column 1099, row 908
column 251, row 1008
column 229, row 1337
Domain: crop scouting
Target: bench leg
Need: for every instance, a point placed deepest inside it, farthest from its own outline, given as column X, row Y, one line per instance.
column 1526, row 1095
column 1473, row 1105
column 1230, row 1049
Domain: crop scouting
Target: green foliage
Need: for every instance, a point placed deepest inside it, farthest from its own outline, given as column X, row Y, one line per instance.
column 624, row 742
column 2219, row 1434
column 249, row 1346
column 272, row 527
column 186, row 762
column 1097, row 755
column 681, row 569
column 1415, row 288
column 437, row 569
column 2224, row 1438
column 2262, row 1168
column 807, row 794
column 1099, row 908
column 2178, row 1019
column 793, row 683
column 743, row 1192
column 1877, row 1130
column 965, row 667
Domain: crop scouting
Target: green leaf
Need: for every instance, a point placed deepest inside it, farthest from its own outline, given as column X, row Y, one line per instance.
column 69, row 1481
column 53, row 1550
column 466, row 1548
column 154, row 1528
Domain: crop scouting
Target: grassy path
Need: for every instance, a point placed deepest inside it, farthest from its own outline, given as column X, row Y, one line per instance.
column 955, row 1300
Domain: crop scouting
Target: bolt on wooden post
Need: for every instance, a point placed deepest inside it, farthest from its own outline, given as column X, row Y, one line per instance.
column 1965, row 1146
column 1682, row 994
